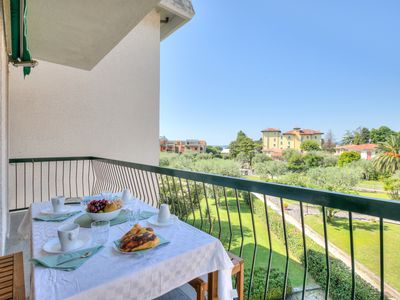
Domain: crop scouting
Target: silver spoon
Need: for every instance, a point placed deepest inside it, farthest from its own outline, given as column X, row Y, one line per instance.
column 84, row 255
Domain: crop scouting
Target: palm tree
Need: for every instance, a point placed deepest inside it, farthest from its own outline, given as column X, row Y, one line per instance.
column 388, row 160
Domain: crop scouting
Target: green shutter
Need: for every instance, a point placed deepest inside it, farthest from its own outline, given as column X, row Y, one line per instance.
column 15, row 35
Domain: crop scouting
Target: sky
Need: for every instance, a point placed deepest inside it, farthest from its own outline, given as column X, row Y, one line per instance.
column 249, row 65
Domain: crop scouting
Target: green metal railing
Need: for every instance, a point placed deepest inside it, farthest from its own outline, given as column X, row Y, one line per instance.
column 219, row 205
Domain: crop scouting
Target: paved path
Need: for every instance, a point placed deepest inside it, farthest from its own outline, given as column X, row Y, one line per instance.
column 361, row 270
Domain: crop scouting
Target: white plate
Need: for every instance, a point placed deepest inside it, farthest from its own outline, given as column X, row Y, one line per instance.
column 50, row 211
column 53, row 245
column 154, row 221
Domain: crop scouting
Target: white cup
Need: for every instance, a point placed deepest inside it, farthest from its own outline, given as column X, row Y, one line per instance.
column 126, row 195
column 68, row 236
column 58, row 203
column 163, row 214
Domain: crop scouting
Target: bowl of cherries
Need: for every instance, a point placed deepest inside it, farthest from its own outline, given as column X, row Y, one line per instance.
column 103, row 210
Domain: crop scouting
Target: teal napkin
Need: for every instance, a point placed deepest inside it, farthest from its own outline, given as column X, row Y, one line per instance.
column 55, row 218
column 146, row 214
column 86, row 221
column 56, row 261
column 163, row 241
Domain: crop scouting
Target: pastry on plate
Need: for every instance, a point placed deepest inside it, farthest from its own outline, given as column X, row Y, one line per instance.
column 138, row 238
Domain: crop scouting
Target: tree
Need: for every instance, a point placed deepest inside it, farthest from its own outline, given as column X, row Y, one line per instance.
column 242, row 144
column 367, row 169
column 361, row 136
column 296, row 163
column 288, row 153
column 333, row 179
column 381, row 134
column 313, row 160
column 243, row 159
column 348, row 157
column 260, row 158
column 329, row 142
column 217, row 166
column 388, row 160
column 310, row 145
column 214, row 150
column 258, row 145
column 270, row 169
column 348, row 138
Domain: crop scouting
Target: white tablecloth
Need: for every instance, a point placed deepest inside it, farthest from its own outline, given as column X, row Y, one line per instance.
column 111, row 275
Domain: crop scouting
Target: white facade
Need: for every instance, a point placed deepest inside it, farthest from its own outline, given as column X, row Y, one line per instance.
column 3, row 136
column 111, row 111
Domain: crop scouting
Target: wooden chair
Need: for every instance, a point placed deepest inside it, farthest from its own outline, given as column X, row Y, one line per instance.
column 12, row 277
column 201, row 287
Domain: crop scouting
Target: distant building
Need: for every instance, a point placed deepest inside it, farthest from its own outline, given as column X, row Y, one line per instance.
column 367, row 151
column 274, row 141
column 182, row 146
column 225, row 151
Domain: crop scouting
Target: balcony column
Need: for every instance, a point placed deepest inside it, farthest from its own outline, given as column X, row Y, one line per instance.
column 3, row 135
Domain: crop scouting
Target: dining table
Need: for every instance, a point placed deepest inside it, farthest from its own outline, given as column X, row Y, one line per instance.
column 109, row 274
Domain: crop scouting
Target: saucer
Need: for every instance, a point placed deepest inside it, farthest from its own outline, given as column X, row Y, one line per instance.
column 53, row 245
column 154, row 221
column 50, row 211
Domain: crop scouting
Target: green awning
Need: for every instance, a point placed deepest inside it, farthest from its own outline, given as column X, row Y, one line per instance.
column 20, row 51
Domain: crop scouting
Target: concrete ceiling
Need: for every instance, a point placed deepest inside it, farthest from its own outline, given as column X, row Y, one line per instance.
column 79, row 33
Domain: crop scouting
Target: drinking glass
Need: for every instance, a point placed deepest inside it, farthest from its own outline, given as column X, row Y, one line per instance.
column 134, row 216
column 107, row 195
column 84, row 204
column 100, row 231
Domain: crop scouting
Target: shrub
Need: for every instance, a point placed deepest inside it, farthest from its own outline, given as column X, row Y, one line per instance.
column 348, row 157
column 275, row 284
column 392, row 186
column 340, row 283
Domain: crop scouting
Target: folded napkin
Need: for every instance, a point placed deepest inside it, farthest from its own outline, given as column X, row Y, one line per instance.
column 56, row 261
column 85, row 220
column 146, row 214
column 55, row 218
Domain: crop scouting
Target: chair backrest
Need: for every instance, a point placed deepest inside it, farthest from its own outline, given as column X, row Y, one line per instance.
column 12, row 277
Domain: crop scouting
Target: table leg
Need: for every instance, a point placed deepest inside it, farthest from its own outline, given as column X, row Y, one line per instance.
column 213, row 286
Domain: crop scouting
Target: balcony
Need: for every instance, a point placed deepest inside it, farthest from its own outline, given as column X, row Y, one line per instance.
column 250, row 218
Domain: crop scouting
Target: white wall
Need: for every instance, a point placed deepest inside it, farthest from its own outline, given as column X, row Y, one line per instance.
column 111, row 111
column 3, row 137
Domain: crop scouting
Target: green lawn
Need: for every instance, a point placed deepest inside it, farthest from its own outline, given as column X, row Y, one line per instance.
column 366, row 243
column 374, row 195
column 371, row 184
column 296, row 269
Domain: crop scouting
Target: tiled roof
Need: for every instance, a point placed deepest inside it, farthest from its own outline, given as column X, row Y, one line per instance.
column 358, row 147
column 271, row 130
column 303, row 132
